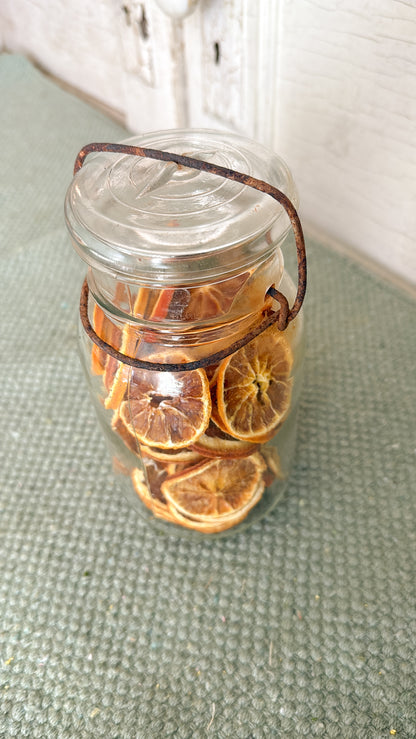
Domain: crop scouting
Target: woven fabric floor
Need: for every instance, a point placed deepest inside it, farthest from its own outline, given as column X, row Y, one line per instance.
column 303, row 626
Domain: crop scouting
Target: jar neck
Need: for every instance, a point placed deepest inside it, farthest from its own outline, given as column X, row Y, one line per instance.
column 179, row 309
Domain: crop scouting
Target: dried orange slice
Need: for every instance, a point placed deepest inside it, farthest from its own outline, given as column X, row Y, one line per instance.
column 98, row 356
column 208, row 301
column 159, row 507
column 107, row 331
column 169, row 410
column 118, row 425
column 212, row 374
column 139, row 483
column 147, row 496
column 216, row 419
column 273, row 469
column 116, row 373
column 254, row 387
column 216, row 443
column 170, row 458
column 221, row 523
column 185, row 456
column 118, row 387
column 217, row 488
column 148, row 483
column 111, row 367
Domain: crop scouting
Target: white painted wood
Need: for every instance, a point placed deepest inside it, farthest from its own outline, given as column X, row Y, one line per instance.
column 231, row 48
column 152, row 78
column 330, row 85
column 75, row 41
column 123, row 54
column 137, row 42
column 215, row 47
column 345, row 121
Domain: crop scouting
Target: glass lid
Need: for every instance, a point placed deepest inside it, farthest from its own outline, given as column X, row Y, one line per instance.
column 162, row 223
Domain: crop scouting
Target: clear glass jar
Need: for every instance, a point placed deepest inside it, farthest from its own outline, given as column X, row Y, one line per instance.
column 180, row 266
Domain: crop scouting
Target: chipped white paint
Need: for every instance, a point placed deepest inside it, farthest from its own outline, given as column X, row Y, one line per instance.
column 232, row 49
column 345, row 121
column 150, row 79
column 330, row 85
column 118, row 53
column 216, row 66
column 76, row 41
column 137, row 41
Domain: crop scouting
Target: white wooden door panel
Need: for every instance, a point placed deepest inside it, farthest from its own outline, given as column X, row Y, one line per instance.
column 150, row 67
column 329, row 84
column 231, row 62
column 214, row 49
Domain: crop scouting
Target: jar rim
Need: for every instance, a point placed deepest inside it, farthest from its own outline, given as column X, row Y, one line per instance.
column 158, row 222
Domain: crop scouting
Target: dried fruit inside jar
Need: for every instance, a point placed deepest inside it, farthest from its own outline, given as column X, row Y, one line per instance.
column 199, row 435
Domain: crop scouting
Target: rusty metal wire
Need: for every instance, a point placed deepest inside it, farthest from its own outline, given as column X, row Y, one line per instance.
column 281, row 317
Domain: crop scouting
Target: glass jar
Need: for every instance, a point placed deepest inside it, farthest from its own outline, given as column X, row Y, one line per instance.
column 194, row 373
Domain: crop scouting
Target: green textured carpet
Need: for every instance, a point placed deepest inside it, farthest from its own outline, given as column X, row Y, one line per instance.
column 305, row 625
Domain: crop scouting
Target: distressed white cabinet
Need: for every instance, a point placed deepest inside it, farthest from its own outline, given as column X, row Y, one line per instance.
column 331, row 85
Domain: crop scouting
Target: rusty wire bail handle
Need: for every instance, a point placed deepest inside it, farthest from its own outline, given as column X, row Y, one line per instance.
column 281, row 317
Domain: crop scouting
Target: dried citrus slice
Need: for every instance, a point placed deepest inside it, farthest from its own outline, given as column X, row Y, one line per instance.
column 119, row 385
column 139, row 484
column 148, row 488
column 111, row 367
column 116, row 373
column 169, row 410
column 169, row 456
column 216, row 443
column 118, row 425
column 146, row 494
column 217, row 488
column 107, row 331
column 273, row 469
column 212, row 374
column 148, row 483
column 253, row 387
column 221, row 523
column 153, row 500
column 208, row 301
column 98, row 356
column 216, row 419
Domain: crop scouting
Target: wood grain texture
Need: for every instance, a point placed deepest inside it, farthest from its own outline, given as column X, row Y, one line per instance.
column 153, row 83
column 216, row 70
column 330, row 85
column 345, row 121
column 231, row 49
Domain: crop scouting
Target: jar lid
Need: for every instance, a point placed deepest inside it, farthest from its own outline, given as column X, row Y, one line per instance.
column 160, row 223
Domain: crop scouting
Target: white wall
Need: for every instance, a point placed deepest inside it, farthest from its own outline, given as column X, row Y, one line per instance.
column 330, row 84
